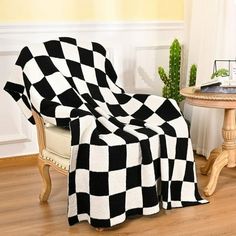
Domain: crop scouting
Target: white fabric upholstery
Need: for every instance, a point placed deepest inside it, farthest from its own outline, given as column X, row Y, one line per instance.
column 58, row 141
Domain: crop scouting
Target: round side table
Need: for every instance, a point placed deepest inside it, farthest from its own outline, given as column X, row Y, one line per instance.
column 225, row 155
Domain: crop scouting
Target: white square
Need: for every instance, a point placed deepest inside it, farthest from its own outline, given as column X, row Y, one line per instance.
column 133, row 154
column 98, row 158
column 190, row 156
column 33, row 71
column 89, row 74
column 108, row 96
column 81, row 85
column 58, row 82
column 188, row 192
column 154, row 119
column 154, row 102
column 118, row 219
column 164, row 169
column 82, row 180
column 70, row 51
column 38, row 49
column 99, row 61
column 151, row 210
column 86, row 44
column 112, row 139
column 132, row 106
column 181, row 127
column 179, row 170
column 61, row 65
column 171, row 146
column 155, row 146
column 117, row 181
column 72, row 210
column 148, row 175
column 114, row 88
column 134, row 198
column 99, row 207
column 63, row 111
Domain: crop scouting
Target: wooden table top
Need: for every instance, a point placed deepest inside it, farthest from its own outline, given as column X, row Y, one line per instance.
column 195, row 97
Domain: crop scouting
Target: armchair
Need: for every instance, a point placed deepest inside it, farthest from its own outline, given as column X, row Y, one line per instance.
column 125, row 153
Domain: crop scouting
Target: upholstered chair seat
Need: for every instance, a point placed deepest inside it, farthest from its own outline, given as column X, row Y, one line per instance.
column 58, row 148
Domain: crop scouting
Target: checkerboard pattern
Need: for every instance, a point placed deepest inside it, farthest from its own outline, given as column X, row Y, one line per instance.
column 131, row 153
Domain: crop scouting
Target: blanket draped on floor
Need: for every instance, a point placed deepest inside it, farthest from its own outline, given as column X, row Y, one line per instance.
column 130, row 154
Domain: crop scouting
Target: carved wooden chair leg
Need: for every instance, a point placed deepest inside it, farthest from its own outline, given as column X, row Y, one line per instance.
column 46, row 189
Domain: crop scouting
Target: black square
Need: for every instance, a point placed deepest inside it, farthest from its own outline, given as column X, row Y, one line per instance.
column 98, row 183
column 48, row 108
column 163, row 148
column 165, row 190
column 83, row 203
column 101, row 78
column 181, row 148
column 117, row 204
column 100, row 223
column 46, row 65
column 86, row 57
column 150, row 198
column 189, row 172
column 116, row 110
column 68, row 40
column 95, row 92
column 99, row 48
column 45, row 89
column 54, row 49
column 63, row 122
column 168, row 129
column 143, row 113
column 117, row 157
column 175, row 190
column 146, row 152
column 141, row 97
column 122, row 98
column 110, row 70
column 129, row 138
column 157, row 168
column 133, row 177
column 171, row 167
column 71, row 183
column 75, row 69
column 75, row 131
column 167, row 111
column 70, row 98
column 83, row 156
column 24, row 57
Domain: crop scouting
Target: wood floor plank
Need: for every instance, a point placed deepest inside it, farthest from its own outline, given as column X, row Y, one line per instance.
column 22, row 214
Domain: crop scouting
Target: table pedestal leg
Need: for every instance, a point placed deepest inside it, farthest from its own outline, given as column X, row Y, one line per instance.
column 221, row 157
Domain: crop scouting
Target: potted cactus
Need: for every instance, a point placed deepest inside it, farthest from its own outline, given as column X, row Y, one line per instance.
column 172, row 82
column 192, row 75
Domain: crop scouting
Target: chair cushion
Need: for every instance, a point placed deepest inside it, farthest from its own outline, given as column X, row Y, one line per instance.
column 58, row 141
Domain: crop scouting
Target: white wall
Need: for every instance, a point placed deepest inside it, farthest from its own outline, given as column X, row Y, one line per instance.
column 136, row 49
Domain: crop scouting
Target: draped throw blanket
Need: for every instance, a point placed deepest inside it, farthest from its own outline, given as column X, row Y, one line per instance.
column 131, row 153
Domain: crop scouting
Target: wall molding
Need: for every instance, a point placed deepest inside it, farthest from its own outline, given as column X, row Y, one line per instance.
column 90, row 26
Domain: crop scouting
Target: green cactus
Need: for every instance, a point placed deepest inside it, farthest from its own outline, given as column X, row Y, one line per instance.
column 192, row 75
column 172, row 82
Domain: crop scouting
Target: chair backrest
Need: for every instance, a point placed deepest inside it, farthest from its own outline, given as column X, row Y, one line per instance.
column 62, row 70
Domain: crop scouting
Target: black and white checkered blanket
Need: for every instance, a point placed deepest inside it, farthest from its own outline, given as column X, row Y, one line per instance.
column 131, row 153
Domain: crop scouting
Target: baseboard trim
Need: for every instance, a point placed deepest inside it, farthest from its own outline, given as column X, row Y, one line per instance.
column 30, row 159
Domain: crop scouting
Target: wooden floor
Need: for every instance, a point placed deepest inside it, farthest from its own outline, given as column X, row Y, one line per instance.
column 22, row 215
